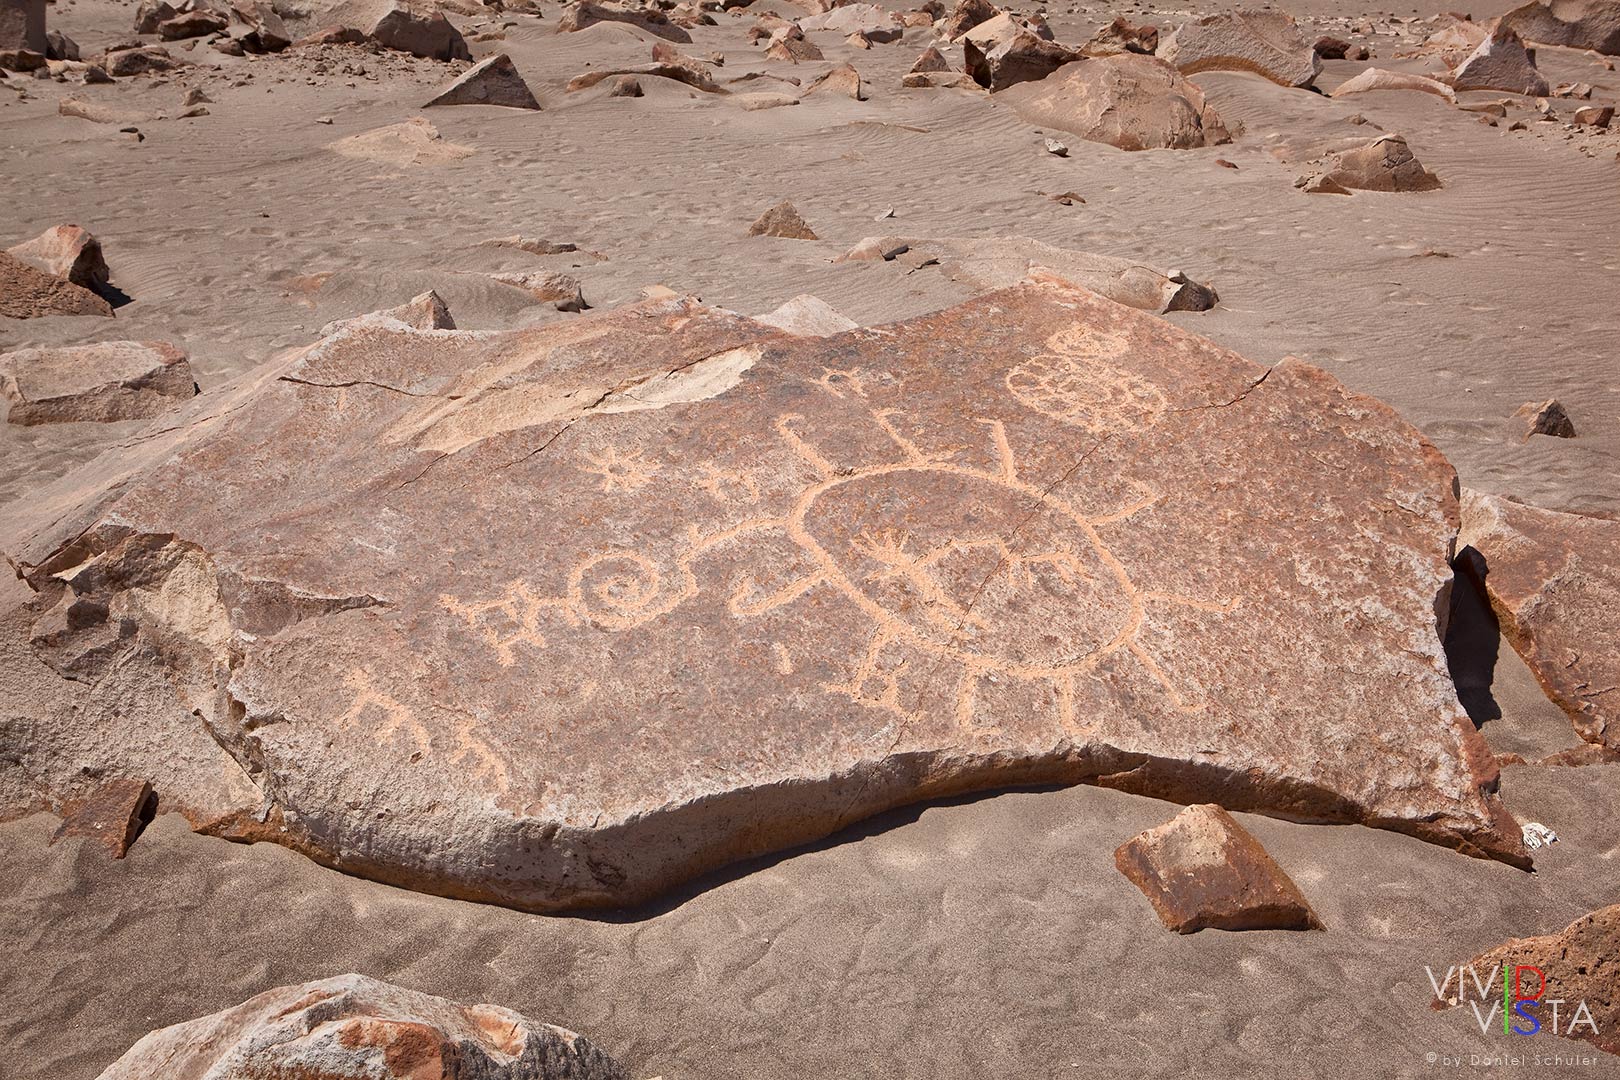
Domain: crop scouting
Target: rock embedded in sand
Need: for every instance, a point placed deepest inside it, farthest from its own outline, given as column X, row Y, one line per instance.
column 1576, row 24
column 113, row 815
column 782, row 220
column 145, row 60
column 584, row 13
column 1128, row 101
column 1547, row 418
column 842, row 80
column 930, row 60
column 794, row 49
column 101, row 383
column 257, row 28
column 425, row 311
column 695, row 77
column 562, row 617
column 1004, row 52
column 67, row 251
column 561, row 291
column 1382, row 79
column 1576, row 966
column 402, row 25
column 22, row 27
column 1120, row 36
column 1552, row 579
column 965, row 16
column 1595, row 115
column 1267, row 43
column 625, row 86
column 759, row 101
column 353, row 1026
column 1501, row 62
column 199, row 22
column 1203, row 871
column 807, row 316
column 30, row 293
column 489, row 82
column 413, row 142
column 1384, row 164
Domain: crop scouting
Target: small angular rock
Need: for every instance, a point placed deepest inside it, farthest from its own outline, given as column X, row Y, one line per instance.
column 1120, row 36
column 842, row 80
column 1203, row 870
column 490, row 82
column 784, row 221
column 1501, row 62
column 113, row 815
column 1385, row 164
column 67, row 251
column 1547, row 418
column 930, row 60
column 30, row 293
column 625, row 86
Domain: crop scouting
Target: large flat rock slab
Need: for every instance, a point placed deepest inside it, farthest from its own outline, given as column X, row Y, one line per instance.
column 563, row 617
column 1553, row 580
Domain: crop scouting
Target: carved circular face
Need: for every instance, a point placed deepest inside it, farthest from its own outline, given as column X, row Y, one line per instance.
column 922, row 549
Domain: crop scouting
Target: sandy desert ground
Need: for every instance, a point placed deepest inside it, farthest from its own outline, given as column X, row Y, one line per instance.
column 983, row 937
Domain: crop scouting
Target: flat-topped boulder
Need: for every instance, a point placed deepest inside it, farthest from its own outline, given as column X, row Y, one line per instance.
column 69, row 252
column 585, row 13
column 1267, row 43
column 562, row 617
column 1128, row 101
column 112, row 380
column 1552, row 579
column 353, row 1026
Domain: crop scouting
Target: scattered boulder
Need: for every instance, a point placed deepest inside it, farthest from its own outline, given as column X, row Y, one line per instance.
column 413, row 142
column 1576, row 24
column 1004, row 52
column 490, row 82
column 1120, row 36
column 1547, row 418
column 113, row 815
column 1202, row 870
column 1575, row 967
column 842, row 80
column 791, row 45
column 1384, row 164
column 876, row 249
column 965, row 16
column 426, row 311
column 931, row 60
column 97, row 384
column 58, row 46
column 1594, row 115
column 415, row 680
column 782, row 220
column 145, row 60
column 684, row 73
column 150, row 14
column 1455, row 40
column 561, row 291
column 30, row 293
column 1501, row 62
column 1381, row 79
column 402, row 25
column 1128, row 101
column 807, row 316
column 22, row 27
column 625, row 86
column 197, row 23
column 585, row 13
column 852, row 18
column 1331, row 48
column 1552, row 578
column 1267, row 43
column 353, row 1026
column 257, row 28
column 67, row 251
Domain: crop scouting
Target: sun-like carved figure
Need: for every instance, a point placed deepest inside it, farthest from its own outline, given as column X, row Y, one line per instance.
column 1078, row 382
column 621, row 470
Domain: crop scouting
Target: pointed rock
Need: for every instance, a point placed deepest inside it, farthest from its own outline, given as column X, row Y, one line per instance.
column 842, row 80
column 101, row 383
column 1385, row 164
column 1552, row 579
column 1501, row 62
column 69, row 252
column 490, row 82
column 965, row 16
column 1547, row 418
column 113, row 815
column 1128, row 101
column 808, row 316
column 1203, row 870
column 790, row 44
column 1267, row 43
column 354, row 1026
column 784, row 221
column 930, row 60
column 29, row 293
column 625, row 86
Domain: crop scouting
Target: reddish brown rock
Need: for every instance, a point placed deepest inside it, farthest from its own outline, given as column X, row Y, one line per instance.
column 197, row 23
column 1454, row 40
column 1552, row 579
column 150, row 13
column 1501, row 62
column 965, row 16
column 1547, row 418
column 490, row 82
column 1331, row 48
column 1595, row 115
column 1004, row 51
column 843, row 80
column 562, row 291
column 931, row 60
column 29, row 293
column 352, row 1026
column 1384, row 164
column 1132, row 102
column 1579, row 967
column 584, row 13
column 1120, row 36
column 67, row 251
column 562, row 617
column 257, row 28
column 626, row 86
column 1578, row 24
column 146, row 60
column 782, row 220
column 1204, row 871
column 792, row 48
column 113, row 815
column 22, row 26
column 113, row 380
column 1267, row 43
column 402, row 25
column 685, row 73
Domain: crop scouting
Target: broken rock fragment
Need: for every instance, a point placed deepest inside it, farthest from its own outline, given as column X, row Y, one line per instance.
column 1576, row 24
column 402, row 25
column 965, row 16
column 782, row 220
column 354, row 1026
column 1552, row 579
column 1547, row 418
column 69, row 252
column 1120, row 36
column 113, row 815
column 842, row 80
column 561, row 291
column 113, row 380
column 1128, row 101
column 1203, row 870
column 1501, row 62
column 489, row 82
column 27, row 292
column 1006, row 51
column 1267, row 43
column 1384, row 164
column 586, row 13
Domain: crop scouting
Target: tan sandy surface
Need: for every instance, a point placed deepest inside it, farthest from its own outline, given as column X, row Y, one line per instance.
column 987, row 938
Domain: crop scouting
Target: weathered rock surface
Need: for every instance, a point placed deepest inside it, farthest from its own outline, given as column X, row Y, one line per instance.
column 1501, row 62
column 561, row 291
column 807, row 316
column 412, row 142
column 1267, row 43
column 146, row 60
column 1581, row 968
column 22, row 26
column 1204, row 871
column 1578, row 24
column 585, row 13
column 1552, row 579
column 782, row 220
column 792, row 49
column 1120, row 36
column 1129, row 101
column 1547, row 418
column 257, row 28
column 1383, row 79
column 426, row 311
column 402, row 25
column 851, row 18
column 562, row 617
column 842, row 80
column 685, row 73
column 352, row 1026
column 112, row 380
column 931, row 60
column 965, row 16
column 1454, row 40
column 113, row 815
column 67, row 251
column 1384, row 164
column 29, row 293
column 197, row 23
column 490, row 82
column 1005, row 51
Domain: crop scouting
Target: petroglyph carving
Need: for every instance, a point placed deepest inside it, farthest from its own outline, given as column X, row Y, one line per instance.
column 1078, row 382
